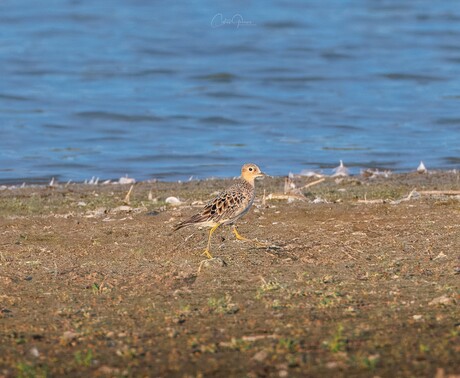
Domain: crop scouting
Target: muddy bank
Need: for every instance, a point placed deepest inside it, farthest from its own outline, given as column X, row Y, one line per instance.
column 361, row 280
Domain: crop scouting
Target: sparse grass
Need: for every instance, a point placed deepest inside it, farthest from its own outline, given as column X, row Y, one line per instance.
column 26, row 370
column 222, row 305
column 338, row 342
column 267, row 287
column 83, row 358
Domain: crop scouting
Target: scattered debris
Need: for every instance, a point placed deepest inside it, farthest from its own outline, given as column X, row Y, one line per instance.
column 128, row 196
column 126, row 180
column 319, row 200
column 440, row 192
column 411, row 195
column 308, row 173
column 313, row 183
column 34, row 352
column 213, row 263
column 260, row 356
column 288, row 185
column 421, row 168
column 374, row 173
column 440, row 256
column 173, row 201
column 122, row 208
column 340, row 171
column 442, row 300
column 288, row 197
column 366, row 201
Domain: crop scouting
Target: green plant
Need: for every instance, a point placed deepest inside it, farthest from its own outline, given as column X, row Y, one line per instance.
column 84, row 359
column 338, row 342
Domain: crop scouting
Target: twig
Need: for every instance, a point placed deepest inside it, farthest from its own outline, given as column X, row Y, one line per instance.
column 281, row 196
column 440, row 192
column 128, row 195
column 371, row 201
column 313, row 183
column 349, row 255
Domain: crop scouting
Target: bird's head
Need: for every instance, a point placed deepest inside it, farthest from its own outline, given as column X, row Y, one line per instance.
column 250, row 172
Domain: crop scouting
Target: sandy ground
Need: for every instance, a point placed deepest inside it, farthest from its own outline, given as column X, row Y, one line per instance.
column 347, row 288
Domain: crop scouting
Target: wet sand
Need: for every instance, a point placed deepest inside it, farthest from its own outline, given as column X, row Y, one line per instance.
column 92, row 286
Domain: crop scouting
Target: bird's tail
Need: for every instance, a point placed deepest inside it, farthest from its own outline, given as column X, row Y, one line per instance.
column 197, row 218
column 181, row 225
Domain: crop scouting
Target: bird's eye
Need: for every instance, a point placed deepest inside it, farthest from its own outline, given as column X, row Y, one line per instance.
column 250, row 169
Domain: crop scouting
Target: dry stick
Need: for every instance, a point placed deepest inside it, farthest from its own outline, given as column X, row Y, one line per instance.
column 371, row 201
column 313, row 183
column 281, row 196
column 349, row 255
column 410, row 194
column 440, row 192
column 127, row 198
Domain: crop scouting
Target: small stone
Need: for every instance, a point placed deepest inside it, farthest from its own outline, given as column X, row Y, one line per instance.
column 442, row 300
column 69, row 336
column 108, row 370
column 122, row 208
column 260, row 356
column 214, row 263
column 34, row 352
column 173, row 201
column 126, row 180
column 421, row 168
column 332, row 365
column 418, row 317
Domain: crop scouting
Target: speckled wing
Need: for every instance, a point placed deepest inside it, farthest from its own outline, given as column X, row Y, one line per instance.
column 227, row 206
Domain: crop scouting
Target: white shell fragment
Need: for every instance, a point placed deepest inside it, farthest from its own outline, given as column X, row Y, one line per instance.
column 173, row 201
column 421, row 168
column 341, row 170
column 126, row 180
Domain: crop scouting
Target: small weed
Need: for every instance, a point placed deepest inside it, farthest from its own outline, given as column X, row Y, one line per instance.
column 287, row 344
column 338, row 342
column 239, row 344
column 84, row 359
column 267, row 287
column 223, row 305
column 424, row 348
column 371, row 361
column 25, row 370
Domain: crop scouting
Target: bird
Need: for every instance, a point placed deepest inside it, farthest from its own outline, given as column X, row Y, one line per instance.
column 228, row 206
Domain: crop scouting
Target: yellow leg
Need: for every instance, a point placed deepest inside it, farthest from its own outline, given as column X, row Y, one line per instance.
column 239, row 237
column 206, row 251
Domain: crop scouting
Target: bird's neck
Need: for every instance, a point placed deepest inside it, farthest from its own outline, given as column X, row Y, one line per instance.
column 249, row 180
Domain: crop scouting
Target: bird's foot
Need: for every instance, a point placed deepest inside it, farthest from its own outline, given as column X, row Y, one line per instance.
column 207, row 254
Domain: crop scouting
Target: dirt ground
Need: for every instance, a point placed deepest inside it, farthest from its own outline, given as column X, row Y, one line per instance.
column 90, row 286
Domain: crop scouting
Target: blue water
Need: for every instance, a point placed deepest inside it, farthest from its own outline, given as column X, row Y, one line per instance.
column 174, row 89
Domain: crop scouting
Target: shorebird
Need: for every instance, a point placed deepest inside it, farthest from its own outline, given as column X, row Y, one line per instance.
column 229, row 206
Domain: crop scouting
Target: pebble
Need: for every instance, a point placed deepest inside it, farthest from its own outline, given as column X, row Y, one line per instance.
column 213, row 263
column 260, row 356
column 126, row 180
column 173, row 200
column 34, row 352
column 442, row 300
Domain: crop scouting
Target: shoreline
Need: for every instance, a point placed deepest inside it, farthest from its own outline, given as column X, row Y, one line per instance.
column 125, row 180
